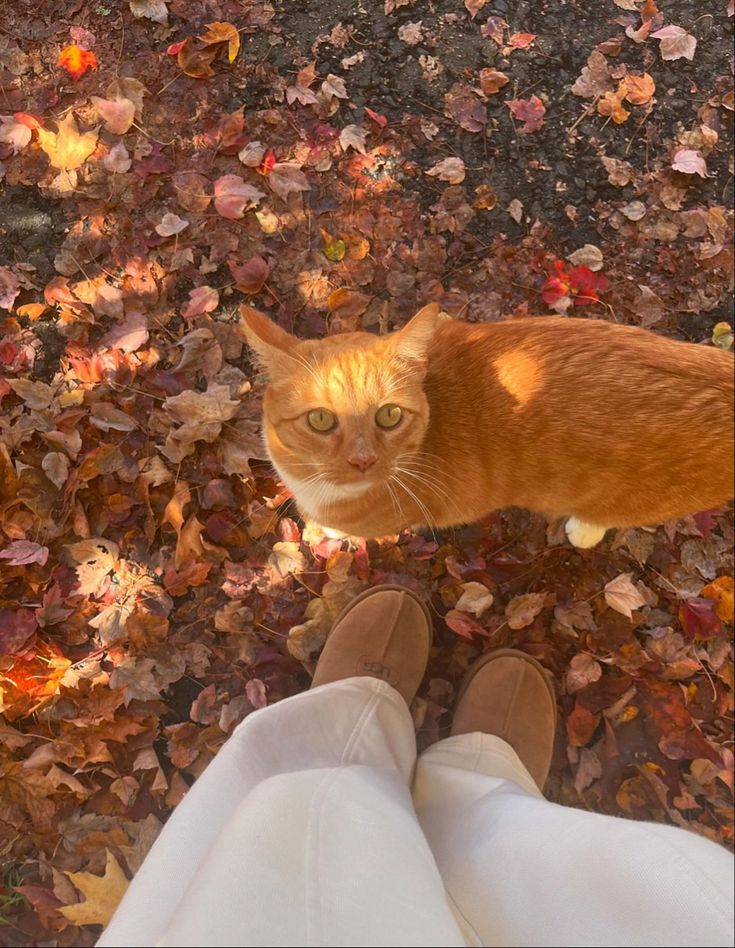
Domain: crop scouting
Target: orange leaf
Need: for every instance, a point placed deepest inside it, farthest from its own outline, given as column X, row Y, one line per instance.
column 637, row 89
column 77, row 61
column 722, row 590
column 218, row 32
column 611, row 104
column 196, row 63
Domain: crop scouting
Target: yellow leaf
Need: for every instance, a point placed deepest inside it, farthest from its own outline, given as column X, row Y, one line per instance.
column 68, row 148
column 218, row 32
column 102, row 894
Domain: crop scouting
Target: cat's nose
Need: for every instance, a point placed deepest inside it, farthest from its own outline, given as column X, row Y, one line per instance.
column 362, row 458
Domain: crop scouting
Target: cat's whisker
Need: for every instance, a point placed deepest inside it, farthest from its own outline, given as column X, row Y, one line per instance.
column 419, row 503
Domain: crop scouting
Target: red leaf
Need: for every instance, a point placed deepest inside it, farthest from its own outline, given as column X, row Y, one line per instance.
column 699, row 619
column 529, row 111
column 463, row 625
column 251, row 275
column 376, row 117
column 77, row 61
column 17, row 627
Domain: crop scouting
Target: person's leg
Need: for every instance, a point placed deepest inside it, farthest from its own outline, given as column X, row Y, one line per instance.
column 524, row 871
column 302, row 830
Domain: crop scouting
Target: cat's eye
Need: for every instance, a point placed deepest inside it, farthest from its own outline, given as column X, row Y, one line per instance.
column 388, row 416
column 321, row 420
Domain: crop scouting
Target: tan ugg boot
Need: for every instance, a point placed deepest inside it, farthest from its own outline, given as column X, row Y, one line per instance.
column 509, row 694
column 384, row 633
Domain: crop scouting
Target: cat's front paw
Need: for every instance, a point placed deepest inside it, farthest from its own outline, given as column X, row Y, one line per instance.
column 583, row 535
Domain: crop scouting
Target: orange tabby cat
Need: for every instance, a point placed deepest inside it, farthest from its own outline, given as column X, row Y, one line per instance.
column 443, row 421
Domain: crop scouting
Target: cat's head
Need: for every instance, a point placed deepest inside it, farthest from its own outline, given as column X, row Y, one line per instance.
column 344, row 413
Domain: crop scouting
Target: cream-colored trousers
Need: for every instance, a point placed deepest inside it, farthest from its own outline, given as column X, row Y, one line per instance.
column 316, row 825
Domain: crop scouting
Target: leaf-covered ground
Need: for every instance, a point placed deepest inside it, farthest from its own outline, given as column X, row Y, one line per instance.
column 337, row 165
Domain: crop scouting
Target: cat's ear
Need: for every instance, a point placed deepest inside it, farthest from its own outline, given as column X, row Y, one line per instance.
column 412, row 342
column 267, row 340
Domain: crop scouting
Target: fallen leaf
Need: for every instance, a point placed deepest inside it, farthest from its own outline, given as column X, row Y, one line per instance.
column 473, row 7
column 102, row 894
column 203, row 299
column 287, row 178
column 611, row 105
column 76, row 61
column 521, row 40
column 529, row 111
column 171, row 224
column 232, row 195
column 675, row 43
column 588, row 256
column 14, row 133
column 155, row 10
column 251, row 275
column 492, row 80
column 515, row 209
column 637, row 89
column 448, row 169
column 17, row 628
column 595, row 79
column 622, row 595
column 24, row 552
column 522, row 610
column 688, row 161
column 583, row 669
column 68, row 148
column 219, row 32
column 476, row 598
column 117, row 114
column 721, row 590
column 353, row 136
column 118, row 159
column 463, row 625
column 9, row 288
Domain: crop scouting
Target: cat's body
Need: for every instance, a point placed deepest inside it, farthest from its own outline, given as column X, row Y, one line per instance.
column 608, row 425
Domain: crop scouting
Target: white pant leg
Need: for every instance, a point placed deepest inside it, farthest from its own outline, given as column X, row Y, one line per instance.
column 300, row 832
column 527, row 872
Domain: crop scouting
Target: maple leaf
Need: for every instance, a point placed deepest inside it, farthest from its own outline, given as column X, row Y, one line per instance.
column 102, row 894
column 76, row 61
column 286, row 558
column 595, row 78
column 462, row 105
column 68, row 148
column 23, row 552
column 286, row 178
column 232, row 195
column 345, row 303
column 353, row 136
column 529, row 111
column 219, row 32
column 675, row 43
column 622, row 595
column 194, row 62
column 522, row 610
column 448, row 169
